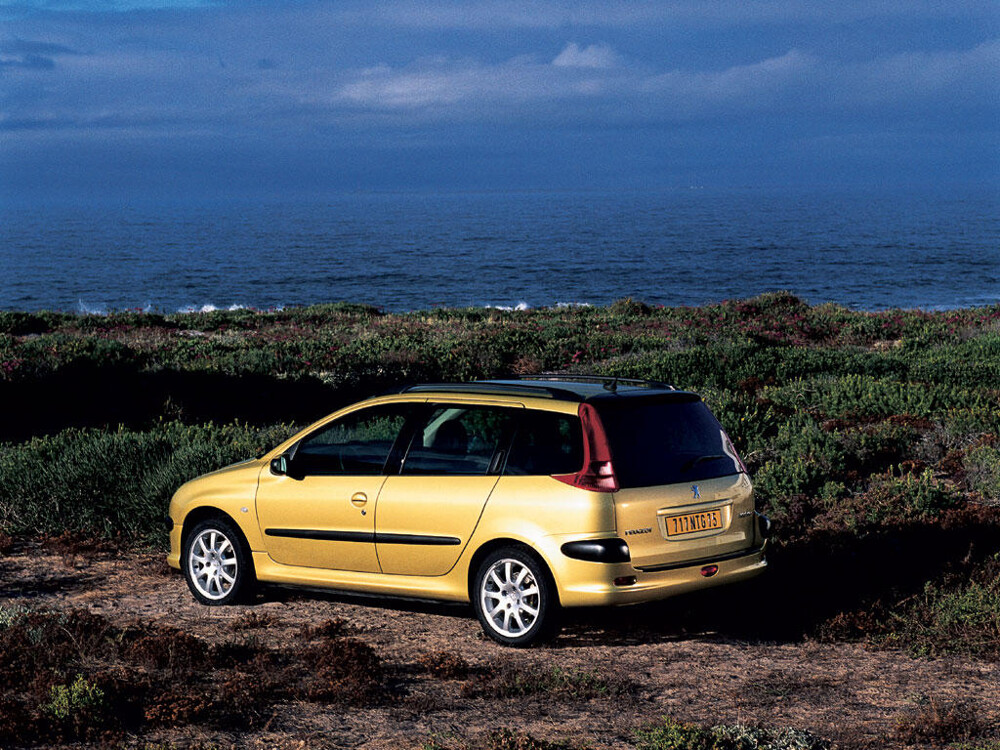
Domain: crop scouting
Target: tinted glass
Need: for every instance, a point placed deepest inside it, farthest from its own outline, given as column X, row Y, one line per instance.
column 546, row 443
column 459, row 440
column 665, row 442
column 358, row 444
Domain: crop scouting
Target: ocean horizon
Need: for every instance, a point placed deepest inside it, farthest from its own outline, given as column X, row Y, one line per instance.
column 867, row 249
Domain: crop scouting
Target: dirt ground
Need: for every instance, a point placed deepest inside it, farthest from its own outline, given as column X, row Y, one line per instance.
column 842, row 692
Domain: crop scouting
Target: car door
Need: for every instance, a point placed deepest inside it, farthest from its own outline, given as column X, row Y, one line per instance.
column 321, row 513
column 427, row 513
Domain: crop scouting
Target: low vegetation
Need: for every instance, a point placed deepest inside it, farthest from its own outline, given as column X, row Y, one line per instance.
column 873, row 438
column 674, row 735
column 72, row 676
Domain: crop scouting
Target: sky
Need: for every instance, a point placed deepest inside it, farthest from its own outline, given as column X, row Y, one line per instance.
column 194, row 99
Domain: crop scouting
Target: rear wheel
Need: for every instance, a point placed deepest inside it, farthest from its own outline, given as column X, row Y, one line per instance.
column 514, row 598
column 216, row 563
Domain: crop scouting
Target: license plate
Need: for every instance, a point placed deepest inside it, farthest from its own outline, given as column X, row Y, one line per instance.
column 691, row 523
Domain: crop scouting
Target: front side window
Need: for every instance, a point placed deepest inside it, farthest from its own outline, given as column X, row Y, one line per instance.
column 459, row 440
column 546, row 443
column 358, row 444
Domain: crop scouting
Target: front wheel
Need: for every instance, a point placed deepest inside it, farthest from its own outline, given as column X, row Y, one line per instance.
column 216, row 564
column 514, row 599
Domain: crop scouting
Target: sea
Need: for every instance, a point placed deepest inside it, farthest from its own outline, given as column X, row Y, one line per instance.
column 870, row 249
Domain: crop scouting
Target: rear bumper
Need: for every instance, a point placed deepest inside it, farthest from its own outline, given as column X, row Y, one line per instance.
column 594, row 585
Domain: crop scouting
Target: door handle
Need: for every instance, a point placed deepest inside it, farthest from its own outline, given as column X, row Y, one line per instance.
column 358, row 499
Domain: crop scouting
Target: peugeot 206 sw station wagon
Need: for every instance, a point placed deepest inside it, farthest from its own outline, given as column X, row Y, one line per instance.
column 519, row 496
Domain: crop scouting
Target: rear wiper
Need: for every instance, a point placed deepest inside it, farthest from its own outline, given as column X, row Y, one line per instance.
column 695, row 461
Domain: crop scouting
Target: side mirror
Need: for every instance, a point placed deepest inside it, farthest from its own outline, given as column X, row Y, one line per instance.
column 280, row 465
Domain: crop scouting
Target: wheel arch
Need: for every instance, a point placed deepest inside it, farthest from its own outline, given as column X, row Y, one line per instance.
column 494, row 544
column 206, row 513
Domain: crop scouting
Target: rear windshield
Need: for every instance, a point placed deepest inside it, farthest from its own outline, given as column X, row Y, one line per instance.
column 655, row 443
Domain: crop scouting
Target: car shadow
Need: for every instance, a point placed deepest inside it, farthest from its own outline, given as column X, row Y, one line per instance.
column 280, row 593
column 808, row 584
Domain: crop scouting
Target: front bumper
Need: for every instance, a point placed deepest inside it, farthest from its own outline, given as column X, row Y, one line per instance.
column 174, row 557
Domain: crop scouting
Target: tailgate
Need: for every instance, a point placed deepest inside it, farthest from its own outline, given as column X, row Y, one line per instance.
column 676, row 523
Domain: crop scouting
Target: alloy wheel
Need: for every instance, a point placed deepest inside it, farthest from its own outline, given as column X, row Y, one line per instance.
column 213, row 564
column 510, row 598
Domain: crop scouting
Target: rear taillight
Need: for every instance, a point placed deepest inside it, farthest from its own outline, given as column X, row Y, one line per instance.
column 731, row 450
column 598, row 472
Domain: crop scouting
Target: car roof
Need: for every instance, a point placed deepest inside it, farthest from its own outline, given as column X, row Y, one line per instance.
column 575, row 388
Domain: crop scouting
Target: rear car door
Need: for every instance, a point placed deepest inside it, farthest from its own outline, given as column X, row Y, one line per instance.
column 427, row 513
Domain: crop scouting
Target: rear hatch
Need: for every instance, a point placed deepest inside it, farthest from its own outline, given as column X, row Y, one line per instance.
column 684, row 496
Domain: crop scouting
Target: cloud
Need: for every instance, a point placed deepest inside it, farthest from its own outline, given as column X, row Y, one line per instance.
column 972, row 73
column 747, row 88
column 577, row 82
column 162, row 72
column 469, row 88
column 595, row 56
column 593, row 82
column 384, row 88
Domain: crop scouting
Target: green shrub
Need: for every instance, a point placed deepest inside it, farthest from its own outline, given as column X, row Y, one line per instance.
column 976, row 605
column 77, row 709
column 118, row 482
column 855, row 395
column 891, row 501
column 674, row 735
column 800, row 460
column 76, row 701
column 982, row 466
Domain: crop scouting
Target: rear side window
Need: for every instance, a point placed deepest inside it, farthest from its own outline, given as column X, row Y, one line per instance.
column 459, row 440
column 666, row 442
column 546, row 443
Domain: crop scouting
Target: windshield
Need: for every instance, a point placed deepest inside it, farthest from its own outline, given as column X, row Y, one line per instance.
column 667, row 442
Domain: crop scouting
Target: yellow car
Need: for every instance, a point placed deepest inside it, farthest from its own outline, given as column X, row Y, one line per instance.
column 519, row 496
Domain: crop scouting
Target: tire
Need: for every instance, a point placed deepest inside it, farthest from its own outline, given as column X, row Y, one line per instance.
column 514, row 598
column 217, row 564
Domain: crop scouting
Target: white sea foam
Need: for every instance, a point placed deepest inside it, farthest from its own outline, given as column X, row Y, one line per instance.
column 84, row 308
column 209, row 308
column 508, row 308
column 87, row 309
column 526, row 306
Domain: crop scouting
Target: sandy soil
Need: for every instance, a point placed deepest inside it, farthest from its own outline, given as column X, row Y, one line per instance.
column 842, row 692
